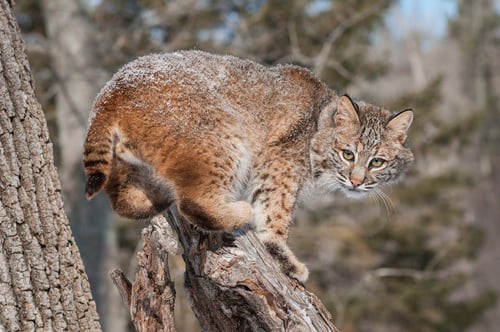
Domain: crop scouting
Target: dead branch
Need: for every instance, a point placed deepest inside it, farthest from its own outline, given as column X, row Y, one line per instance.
column 232, row 281
column 151, row 297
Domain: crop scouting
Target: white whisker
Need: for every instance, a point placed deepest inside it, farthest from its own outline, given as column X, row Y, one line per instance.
column 387, row 202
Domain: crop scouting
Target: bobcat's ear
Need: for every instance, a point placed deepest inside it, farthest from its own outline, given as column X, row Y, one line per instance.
column 399, row 124
column 326, row 115
column 347, row 112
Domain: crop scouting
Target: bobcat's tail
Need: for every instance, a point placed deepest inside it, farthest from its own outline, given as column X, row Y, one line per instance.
column 98, row 155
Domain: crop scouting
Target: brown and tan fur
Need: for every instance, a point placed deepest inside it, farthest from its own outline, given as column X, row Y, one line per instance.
column 233, row 142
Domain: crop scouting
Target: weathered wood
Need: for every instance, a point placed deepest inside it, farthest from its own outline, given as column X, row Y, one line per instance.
column 151, row 297
column 235, row 285
column 232, row 281
column 123, row 285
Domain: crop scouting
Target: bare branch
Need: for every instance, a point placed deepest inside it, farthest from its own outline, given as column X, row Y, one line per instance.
column 294, row 45
column 385, row 272
column 151, row 297
column 123, row 284
column 335, row 34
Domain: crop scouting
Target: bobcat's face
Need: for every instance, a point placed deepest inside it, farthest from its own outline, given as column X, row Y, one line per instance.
column 361, row 150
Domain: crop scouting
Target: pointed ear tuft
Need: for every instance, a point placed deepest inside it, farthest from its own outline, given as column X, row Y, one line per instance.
column 346, row 112
column 399, row 124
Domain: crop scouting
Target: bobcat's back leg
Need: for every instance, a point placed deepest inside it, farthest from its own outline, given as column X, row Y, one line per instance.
column 135, row 192
column 215, row 213
column 207, row 184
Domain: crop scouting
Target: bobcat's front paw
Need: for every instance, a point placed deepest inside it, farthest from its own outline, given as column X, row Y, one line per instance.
column 299, row 272
column 288, row 262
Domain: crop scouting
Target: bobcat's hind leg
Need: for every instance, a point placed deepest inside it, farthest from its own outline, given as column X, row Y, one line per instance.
column 215, row 213
column 135, row 192
column 207, row 187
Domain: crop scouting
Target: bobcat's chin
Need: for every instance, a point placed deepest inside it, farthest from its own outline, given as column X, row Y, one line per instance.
column 355, row 193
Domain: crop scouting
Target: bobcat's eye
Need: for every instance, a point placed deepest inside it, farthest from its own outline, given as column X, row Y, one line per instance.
column 377, row 162
column 348, row 155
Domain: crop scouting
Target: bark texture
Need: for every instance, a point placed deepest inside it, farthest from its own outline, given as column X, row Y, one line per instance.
column 235, row 285
column 79, row 76
column 43, row 285
column 150, row 299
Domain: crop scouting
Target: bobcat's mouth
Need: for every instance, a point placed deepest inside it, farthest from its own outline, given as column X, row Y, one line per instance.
column 356, row 193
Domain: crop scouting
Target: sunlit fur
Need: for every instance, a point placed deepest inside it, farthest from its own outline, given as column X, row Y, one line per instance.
column 199, row 130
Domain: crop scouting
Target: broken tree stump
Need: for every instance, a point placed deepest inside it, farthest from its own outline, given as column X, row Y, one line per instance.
column 233, row 283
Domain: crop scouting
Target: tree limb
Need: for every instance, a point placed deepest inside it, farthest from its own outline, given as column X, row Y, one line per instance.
column 232, row 281
column 322, row 57
column 235, row 285
column 151, row 297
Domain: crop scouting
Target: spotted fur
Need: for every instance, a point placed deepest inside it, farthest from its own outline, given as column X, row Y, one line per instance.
column 232, row 142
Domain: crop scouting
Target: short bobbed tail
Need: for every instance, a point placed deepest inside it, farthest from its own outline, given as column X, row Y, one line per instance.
column 97, row 155
column 94, row 184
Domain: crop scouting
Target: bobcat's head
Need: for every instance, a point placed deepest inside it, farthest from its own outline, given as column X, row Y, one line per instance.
column 359, row 147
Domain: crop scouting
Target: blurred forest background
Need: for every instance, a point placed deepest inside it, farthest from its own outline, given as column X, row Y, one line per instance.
column 425, row 257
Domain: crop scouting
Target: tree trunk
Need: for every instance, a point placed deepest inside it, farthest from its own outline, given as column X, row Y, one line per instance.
column 43, row 285
column 233, row 283
column 79, row 76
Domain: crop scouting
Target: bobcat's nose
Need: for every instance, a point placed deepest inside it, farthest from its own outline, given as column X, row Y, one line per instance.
column 356, row 183
column 357, row 176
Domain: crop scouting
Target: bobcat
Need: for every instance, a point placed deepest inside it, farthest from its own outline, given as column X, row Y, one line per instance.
column 233, row 142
